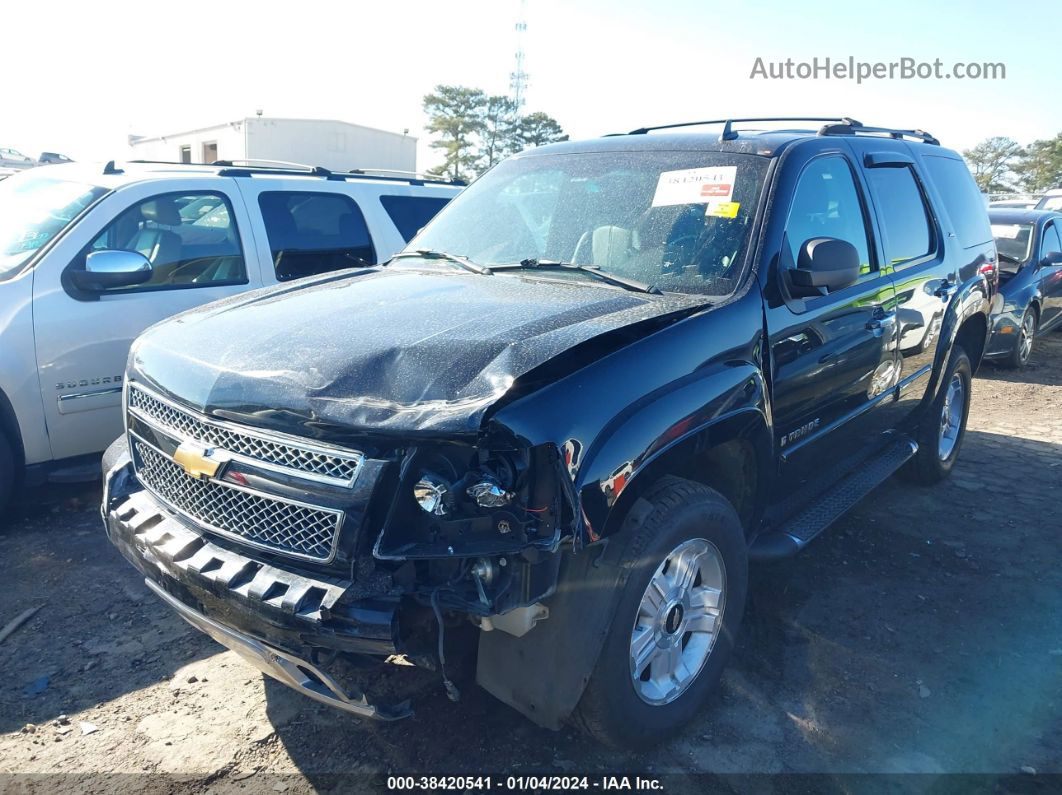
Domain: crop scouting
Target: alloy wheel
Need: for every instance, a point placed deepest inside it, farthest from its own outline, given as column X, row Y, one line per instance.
column 1025, row 337
column 951, row 417
column 678, row 621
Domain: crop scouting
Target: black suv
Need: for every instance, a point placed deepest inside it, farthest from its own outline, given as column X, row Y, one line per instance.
column 555, row 430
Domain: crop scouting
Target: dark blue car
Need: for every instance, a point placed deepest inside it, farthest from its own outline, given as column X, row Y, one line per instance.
column 1029, row 243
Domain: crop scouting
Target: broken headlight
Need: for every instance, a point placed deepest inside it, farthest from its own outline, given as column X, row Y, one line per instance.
column 432, row 494
column 488, row 493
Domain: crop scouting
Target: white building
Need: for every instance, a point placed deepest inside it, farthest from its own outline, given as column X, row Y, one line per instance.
column 335, row 145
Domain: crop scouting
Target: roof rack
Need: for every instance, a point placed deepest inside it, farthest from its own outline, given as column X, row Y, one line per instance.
column 852, row 127
column 839, row 125
column 264, row 163
column 729, row 134
column 247, row 168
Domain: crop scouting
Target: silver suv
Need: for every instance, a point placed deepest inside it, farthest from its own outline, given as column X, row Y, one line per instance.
column 12, row 159
column 91, row 255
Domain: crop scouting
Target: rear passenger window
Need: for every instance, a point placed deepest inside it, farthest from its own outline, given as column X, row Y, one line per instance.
column 962, row 200
column 903, row 211
column 190, row 239
column 312, row 233
column 410, row 213
column 826, row 204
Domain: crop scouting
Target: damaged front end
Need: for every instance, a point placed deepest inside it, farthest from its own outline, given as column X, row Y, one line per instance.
column 308, row 559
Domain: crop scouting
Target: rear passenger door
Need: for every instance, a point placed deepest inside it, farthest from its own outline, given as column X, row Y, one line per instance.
column 833, row 355
column 307, row 226
column 913, row 253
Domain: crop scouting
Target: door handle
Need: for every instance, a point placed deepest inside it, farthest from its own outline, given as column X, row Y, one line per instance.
column 946, row 290
column 879, row 321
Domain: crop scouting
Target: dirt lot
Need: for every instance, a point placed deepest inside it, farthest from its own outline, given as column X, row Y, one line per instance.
column 922, row 633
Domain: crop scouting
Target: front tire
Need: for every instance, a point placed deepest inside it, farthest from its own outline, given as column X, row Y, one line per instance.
column 677, row 617
column 943, row 427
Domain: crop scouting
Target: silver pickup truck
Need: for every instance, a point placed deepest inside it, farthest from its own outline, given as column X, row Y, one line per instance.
column 93, row 254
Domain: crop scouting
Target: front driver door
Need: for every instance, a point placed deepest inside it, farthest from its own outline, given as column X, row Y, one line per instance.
column 833, row 355
column 194, row 233
column 1050, row 276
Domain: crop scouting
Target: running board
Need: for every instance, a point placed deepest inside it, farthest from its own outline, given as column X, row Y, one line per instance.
column 832, row 504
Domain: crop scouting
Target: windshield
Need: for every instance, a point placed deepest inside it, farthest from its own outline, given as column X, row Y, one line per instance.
column 679, row 221
column 33, row 210
column 1013, row 241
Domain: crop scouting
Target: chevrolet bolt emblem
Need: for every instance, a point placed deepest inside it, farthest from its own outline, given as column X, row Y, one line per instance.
column 199, row 462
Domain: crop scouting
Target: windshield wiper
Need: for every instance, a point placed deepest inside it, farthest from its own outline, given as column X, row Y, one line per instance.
column 464, row 262
column 631, row 284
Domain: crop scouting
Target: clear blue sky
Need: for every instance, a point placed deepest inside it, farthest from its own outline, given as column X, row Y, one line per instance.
column 102, row 70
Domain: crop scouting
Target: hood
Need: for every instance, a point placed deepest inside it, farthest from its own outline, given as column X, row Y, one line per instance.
column 383, row 350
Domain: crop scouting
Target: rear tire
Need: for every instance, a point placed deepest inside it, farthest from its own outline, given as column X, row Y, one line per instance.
column 1019, row 357
column 671, row 634
column 943, row 427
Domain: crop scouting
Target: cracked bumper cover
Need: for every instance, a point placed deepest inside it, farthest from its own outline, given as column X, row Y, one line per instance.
column 275, row 618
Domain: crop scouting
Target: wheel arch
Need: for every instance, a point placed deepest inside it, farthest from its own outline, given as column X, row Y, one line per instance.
column 972, row 335
column 1034, row 305
column 731, row 455
column 10, row 428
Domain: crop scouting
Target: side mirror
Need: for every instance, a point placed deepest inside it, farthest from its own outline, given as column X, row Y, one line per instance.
column 824, row 263
column 109, row 268
column 1051, row 258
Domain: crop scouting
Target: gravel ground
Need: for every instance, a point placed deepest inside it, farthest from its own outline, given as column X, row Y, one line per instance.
column 922, row 633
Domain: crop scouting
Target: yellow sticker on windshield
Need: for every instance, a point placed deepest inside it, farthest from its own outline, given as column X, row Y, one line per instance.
column 723, row 209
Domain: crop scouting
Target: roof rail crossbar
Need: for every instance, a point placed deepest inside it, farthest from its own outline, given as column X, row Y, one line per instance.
column 267, row 163
column 854, row 128
column 337, row 176
column 247, row 168
column 728, row 133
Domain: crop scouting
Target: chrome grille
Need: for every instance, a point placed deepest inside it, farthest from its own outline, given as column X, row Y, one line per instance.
column 288, row 527
column 332, row 465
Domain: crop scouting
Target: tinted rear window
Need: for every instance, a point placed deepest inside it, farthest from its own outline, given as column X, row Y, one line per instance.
column 410, row 213
column 962, row 199
column 311, row 233
column 907, row 232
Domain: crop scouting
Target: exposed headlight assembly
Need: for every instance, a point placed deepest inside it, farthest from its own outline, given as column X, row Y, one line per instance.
column 432, row 494
column 489, row 494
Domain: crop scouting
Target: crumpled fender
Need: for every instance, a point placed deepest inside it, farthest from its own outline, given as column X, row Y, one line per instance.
column 553, row 661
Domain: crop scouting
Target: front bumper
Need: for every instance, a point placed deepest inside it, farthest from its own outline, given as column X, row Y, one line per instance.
column 1003, row 336
column 283, row 621
column 296, row 673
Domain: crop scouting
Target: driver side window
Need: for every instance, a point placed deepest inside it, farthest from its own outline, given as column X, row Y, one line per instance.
column 1052, row 242
column 826, row 204
column 190, row 239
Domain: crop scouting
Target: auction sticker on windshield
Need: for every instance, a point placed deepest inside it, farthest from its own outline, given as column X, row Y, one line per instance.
column 1009, row 231
column 711, row 185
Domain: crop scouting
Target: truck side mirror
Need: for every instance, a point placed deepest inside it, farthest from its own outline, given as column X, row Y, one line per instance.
column 110, row 268
column 1051, row 258
column 824, row 263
